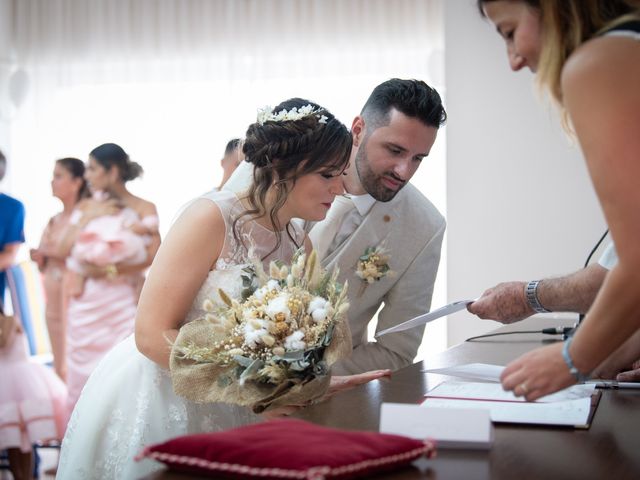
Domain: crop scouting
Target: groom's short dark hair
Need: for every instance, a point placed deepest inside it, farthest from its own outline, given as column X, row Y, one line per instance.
column 414, row 98
column 231, row 146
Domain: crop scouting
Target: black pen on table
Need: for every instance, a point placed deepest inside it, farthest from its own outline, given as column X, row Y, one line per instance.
column 614, row 384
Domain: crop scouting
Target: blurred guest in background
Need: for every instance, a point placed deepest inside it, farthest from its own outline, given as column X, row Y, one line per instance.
column 68, row 185
column 102, row 314
column 11, row 229
column 232, row 157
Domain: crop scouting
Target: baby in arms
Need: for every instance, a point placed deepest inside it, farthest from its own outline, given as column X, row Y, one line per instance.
column 108, row 240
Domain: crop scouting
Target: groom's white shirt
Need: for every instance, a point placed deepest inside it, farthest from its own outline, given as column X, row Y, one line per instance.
column 411, row 229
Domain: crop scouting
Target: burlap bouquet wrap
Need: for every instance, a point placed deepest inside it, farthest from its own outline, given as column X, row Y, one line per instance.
column 208, row 382
column 272, row 349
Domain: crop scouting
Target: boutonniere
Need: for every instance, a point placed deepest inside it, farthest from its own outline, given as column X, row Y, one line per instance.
column 373, row 265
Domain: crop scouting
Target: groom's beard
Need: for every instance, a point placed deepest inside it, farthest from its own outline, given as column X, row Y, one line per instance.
column 372, row 182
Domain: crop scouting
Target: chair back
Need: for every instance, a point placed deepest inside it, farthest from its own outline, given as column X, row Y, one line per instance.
column 28, row 300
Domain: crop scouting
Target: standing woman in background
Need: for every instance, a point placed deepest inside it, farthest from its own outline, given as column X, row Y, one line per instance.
column 68, row 185
column 586, row 53
column 102, row 312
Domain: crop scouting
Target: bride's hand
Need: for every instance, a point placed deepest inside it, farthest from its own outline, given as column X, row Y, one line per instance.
column 340, row 383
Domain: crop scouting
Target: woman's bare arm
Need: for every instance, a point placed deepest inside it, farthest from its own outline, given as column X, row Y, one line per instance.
column 180, row 268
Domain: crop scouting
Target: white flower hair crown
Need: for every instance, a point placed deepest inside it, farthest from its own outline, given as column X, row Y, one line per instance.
column 266, row 114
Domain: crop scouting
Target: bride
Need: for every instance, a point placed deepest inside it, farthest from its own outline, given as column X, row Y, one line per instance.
column 299, row 151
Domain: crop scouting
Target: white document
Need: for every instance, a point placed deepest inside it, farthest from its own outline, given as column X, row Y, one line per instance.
column 472, row 371
column 494, row 391
column 450, row 428
column 569, row 407
column 427, row 317
column 571, row 413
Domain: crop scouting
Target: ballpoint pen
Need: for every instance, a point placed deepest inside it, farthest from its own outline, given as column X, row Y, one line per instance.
column 613, row 384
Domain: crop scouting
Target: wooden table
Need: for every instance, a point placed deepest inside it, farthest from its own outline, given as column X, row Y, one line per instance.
column 610, row 449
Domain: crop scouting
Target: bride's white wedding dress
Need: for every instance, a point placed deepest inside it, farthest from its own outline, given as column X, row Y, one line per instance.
column 129, row 403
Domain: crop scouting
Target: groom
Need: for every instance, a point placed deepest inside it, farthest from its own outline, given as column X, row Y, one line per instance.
column 392, row 135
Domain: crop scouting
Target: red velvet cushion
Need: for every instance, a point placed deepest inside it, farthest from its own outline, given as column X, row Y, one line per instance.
column 289, row 449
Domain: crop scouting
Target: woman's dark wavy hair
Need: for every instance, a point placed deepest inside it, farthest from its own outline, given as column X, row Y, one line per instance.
column 284, row 151
column 75, row 167
column 109, row 155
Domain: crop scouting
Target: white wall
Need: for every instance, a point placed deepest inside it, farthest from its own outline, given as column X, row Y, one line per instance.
column 5, row 68
column 519, row 201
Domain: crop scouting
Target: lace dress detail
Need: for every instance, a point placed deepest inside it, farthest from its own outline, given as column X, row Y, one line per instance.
column 129, row 403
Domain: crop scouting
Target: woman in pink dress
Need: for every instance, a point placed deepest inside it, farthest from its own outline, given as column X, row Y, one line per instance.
column 32, row 404
column 102, row 312
column 68, row 185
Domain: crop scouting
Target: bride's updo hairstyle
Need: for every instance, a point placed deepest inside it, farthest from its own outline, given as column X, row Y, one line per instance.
column 294, row 139
column 109, row 155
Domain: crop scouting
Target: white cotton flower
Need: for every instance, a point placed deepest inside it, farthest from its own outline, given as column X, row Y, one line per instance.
column 278, row 305
column 253, row 332
column 315, row 303
column 257, row 324
column 273, row 285
column 294, row 341
column 252, row 338
column 260, row 293
column 319, row 314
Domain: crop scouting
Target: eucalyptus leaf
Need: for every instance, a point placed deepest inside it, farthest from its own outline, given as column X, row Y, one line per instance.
column 251, row 371
column 246, row 362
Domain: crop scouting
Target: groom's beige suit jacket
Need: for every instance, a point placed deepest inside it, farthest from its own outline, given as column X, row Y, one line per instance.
column 411, row 229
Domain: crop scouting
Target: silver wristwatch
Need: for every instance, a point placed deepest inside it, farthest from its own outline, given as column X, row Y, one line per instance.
column 531, row 292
